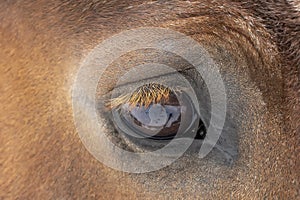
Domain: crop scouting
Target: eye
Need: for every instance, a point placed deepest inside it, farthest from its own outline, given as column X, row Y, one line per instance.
column 154, row 111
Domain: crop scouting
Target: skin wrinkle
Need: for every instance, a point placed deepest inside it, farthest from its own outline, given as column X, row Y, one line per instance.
column 242, row 46
column 42, row 44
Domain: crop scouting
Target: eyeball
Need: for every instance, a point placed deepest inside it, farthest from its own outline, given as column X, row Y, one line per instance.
column 156, row 112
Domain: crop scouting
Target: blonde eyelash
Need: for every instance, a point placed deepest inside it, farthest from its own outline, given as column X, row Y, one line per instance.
column 143, row 95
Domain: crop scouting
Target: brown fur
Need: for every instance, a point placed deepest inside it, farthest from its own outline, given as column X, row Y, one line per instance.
column 42, row 43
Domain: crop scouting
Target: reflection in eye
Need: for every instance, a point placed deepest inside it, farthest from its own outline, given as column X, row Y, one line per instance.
column 156, row 112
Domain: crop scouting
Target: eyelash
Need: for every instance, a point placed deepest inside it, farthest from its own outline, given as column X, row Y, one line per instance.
column 144, row 95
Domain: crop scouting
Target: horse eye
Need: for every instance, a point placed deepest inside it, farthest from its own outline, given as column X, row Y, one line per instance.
column 156, row 112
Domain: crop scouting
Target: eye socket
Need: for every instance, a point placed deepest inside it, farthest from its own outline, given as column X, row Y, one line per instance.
column 178, row 87
column 156, row 112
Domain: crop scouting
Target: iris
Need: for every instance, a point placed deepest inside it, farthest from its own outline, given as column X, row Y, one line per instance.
column 157, row 112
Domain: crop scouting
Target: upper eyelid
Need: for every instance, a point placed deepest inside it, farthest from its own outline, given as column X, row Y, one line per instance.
column 130, row 83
